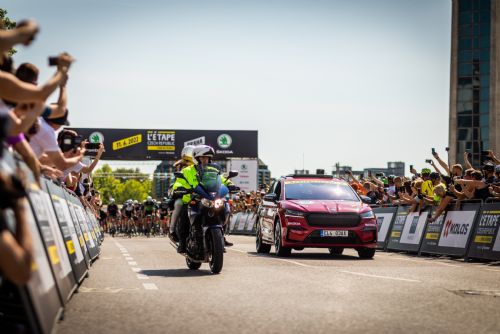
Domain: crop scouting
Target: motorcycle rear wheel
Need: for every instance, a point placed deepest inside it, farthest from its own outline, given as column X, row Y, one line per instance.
column 217, row 250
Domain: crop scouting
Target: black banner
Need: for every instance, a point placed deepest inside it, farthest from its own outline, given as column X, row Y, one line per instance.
column 485, row 242
column 153, row 144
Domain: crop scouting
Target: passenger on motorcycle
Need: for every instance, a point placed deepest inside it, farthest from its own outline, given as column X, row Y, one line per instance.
column 203, row 155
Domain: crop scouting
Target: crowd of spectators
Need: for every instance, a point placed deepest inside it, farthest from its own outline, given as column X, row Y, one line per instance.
column 32, row 128
column 246, row 201
column 434, row 187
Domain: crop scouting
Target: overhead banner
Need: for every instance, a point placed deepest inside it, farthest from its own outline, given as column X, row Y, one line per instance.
column 167, row 144
column 247, row 173
column 485, row 242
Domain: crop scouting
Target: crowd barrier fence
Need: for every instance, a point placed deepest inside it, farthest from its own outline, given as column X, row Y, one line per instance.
column 66, row 239
column 243, row 223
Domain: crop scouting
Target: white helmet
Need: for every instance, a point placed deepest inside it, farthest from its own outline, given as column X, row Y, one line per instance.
column 149, row 199
column 187, row 151
column 111, row 201
column 136, row 202
column 203, row 151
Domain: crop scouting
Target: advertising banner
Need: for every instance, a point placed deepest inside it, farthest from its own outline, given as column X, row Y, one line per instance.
column 485, row 242
column 450, row 233
column 397, row 227
column 247, row 173
column 167, row 144
column 385, row 216
column 412, row 233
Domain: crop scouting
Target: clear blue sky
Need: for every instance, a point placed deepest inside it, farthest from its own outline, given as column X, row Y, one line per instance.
column 361, row 82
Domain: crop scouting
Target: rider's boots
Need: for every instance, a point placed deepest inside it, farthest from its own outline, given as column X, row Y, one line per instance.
column 182, row 247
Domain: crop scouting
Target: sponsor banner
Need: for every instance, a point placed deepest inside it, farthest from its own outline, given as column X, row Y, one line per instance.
column 397, row 227
column 413, row 230
column 384, row 217
column 457, row 228
column 247, row 173
column 450, row 234
column 167, row 144
column 485, row 243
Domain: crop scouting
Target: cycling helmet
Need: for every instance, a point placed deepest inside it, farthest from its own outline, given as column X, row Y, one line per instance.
column 203, row 151
column 136, row 202
column 426, row 171
column 111, row 201
column 149, row 199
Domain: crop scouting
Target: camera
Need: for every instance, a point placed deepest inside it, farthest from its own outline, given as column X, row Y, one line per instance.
column 53, row 61
column 69, row 141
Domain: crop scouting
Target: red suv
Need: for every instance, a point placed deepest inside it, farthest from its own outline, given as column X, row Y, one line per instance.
column 315, row 211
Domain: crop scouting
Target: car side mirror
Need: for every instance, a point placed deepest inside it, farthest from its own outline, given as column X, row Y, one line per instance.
column 366, row 199
column 270, row 197
column 232, row 174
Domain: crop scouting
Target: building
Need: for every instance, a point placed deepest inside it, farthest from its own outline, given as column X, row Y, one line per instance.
column 474, row 86
column 393, row 168
column 264, row 175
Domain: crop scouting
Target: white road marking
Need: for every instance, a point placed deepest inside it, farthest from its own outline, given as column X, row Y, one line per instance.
column 428, row 262
column 142, row 276
column 149, row 286
column 136, row 269
column 273, row 258
column 383, row 277
column 132, row 263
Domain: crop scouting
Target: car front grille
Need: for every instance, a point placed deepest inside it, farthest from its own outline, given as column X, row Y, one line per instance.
column 316, row 238
column 334, row 219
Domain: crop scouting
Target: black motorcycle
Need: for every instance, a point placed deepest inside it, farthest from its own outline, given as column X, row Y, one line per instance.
column 207, row 213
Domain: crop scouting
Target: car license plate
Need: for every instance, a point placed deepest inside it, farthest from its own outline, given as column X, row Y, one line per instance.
column 334, row 233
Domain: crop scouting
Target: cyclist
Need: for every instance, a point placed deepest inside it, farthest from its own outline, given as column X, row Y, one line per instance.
column 148, row 212
column 163, row 210
column 128, row 213
column 112, row 216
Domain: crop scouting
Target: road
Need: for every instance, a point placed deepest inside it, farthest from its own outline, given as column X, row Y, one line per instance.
column 141, row 285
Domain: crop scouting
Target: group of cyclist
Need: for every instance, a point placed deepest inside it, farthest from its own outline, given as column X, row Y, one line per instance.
column 136, row 218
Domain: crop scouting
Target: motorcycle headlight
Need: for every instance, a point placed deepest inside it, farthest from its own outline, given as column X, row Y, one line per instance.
column 294, row 213
column 218, row 203
column 206, row 202
column 367, row 214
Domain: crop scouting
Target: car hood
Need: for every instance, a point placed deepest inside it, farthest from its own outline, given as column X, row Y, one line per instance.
column 323, row 206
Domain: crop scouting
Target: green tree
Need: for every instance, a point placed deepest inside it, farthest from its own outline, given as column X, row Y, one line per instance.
column 6, row 24
column 132, row 184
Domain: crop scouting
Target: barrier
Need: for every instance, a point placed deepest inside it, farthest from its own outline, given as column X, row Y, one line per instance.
column 450, row 234
column 57, row 221
column 485, row 242
column 408, row 230
column 385, row 217
column 243, row 223
column 68, row 230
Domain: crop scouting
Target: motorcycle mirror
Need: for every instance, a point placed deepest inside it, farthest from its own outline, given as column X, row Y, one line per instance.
column 232, row 174
column 270, row 197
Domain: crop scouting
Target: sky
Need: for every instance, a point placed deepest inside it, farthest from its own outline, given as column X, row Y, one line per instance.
column 360, row 82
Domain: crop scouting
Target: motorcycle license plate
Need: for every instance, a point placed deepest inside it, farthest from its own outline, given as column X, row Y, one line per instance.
column 334, row 233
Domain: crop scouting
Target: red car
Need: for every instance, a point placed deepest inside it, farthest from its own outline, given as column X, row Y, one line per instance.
column 315, row 211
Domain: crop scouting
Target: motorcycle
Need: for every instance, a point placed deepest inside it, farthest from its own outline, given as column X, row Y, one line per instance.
column 207, row 212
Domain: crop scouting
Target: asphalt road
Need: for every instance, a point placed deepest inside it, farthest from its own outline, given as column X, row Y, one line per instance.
column 141, row 285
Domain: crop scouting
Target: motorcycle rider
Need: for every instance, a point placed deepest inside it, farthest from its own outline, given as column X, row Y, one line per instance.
column 180, row 183
column 203, row 155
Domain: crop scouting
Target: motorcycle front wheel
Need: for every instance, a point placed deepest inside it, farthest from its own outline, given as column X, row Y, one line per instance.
column 217, row 250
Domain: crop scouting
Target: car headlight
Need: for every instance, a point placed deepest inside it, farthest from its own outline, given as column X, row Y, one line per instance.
column 206, row 202
column 294, row 213
column 218, row 203
column 367, row 214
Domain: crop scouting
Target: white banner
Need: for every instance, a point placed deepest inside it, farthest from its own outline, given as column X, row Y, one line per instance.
column 413, row 229
column 456, row 229
column 496, row 245
column 247, row 177
column 383, row 224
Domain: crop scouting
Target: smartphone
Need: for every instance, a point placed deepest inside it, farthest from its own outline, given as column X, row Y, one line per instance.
column 53, row 61
column 428, row 161
column 433, row 150
column 411, row 167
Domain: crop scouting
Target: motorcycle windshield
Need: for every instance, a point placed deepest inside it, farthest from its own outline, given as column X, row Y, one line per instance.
column 211, row 179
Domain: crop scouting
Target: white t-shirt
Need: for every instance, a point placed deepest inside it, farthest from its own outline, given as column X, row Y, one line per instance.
column 45, row 140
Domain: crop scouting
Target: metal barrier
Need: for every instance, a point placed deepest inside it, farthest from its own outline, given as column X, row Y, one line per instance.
column 65, row 239
column 243, row 223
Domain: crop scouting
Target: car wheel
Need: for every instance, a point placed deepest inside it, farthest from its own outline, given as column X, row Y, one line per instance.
column 336, row 250
column 366, row 253
column 261, row 247
column 278, row 246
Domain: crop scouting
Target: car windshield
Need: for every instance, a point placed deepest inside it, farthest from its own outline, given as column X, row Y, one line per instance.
column 319, row 190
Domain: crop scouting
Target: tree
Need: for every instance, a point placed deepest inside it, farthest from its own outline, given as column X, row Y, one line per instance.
column 128, row 184
column 6, row 24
